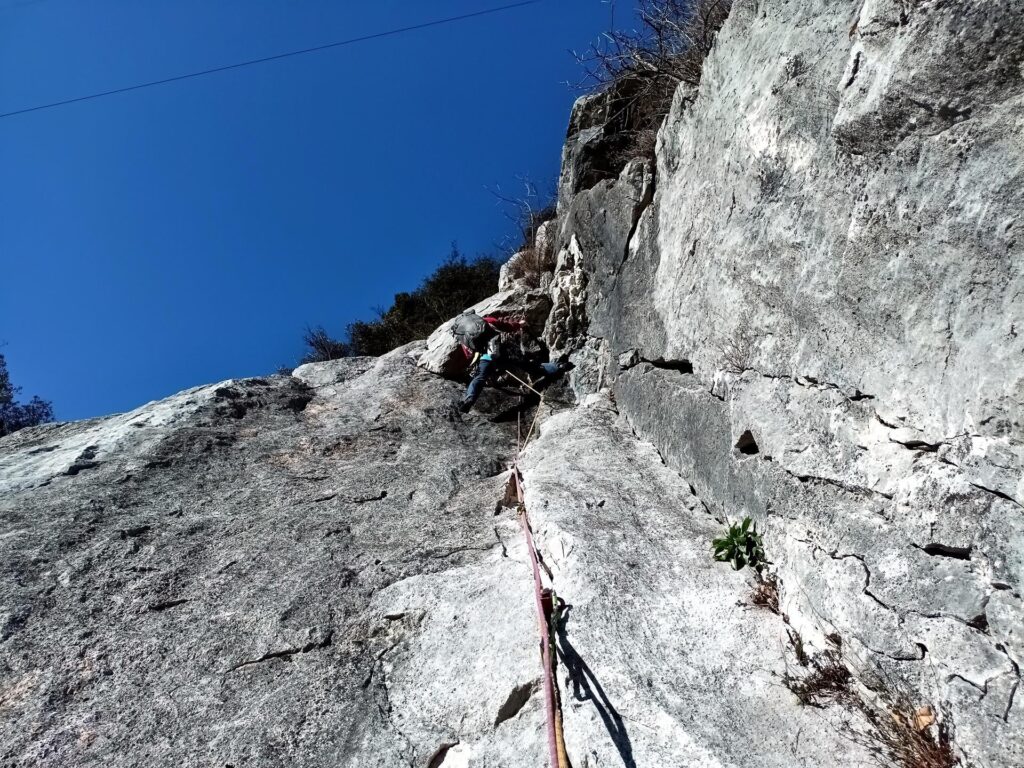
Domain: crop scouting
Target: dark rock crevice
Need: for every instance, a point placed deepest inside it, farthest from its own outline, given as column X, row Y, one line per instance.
column 859, row 490
column 944, row 550
column 996, row 493
column 164, row 605
column 679, row 365
column 287, row 653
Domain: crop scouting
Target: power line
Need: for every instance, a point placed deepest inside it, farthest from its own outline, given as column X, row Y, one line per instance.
column 275, row 57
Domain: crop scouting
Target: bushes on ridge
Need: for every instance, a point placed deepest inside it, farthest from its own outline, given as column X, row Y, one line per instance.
column 456, row 284
column 15, row 416
column 640, row 69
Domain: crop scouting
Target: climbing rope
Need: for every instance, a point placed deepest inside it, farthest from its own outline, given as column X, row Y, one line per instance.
column 545, row 601
column 536, row 415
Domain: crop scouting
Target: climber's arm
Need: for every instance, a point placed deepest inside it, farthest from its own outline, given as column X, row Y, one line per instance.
column 506, row 325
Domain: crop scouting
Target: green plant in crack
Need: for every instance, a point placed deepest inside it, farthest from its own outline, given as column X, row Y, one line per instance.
column 741, row 545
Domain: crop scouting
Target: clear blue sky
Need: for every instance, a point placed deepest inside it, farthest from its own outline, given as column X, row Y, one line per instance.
column 187, row 233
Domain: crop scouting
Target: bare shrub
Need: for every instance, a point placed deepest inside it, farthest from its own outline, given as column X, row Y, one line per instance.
column 529, row 211
column 898, row 733
column 903, row 734
column 646, row 65
column 738, row 351
column 674, row 39
column 321, row 347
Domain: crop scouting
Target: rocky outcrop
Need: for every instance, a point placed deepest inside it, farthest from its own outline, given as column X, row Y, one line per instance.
column 666, row 660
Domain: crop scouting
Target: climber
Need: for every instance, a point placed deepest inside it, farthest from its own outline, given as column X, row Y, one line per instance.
column 482, row 344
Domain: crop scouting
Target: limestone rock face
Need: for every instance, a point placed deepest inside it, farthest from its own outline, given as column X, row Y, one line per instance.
column 287, row 571
column 806, row 308
column 668, row 662
column 853, row 216
column 815, row 316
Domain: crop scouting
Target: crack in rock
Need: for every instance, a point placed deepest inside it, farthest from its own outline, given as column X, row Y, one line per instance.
column 163, row 605
column 1000, row 494
column 385, row 709
column 860, row 490
column 363, row 499
column 944, row 550
column 287, row 652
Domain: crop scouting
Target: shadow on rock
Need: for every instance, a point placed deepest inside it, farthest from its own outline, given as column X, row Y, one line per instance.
column 585, row 687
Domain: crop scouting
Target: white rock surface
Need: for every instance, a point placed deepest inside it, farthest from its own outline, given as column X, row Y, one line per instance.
column 810, row 304
column 661, row 662
column 816, row 318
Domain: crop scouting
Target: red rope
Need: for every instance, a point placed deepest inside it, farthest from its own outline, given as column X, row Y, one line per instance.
column 542, row 619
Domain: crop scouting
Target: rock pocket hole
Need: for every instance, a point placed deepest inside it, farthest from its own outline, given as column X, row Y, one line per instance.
column 747, row 445
column 516, row 701
column 944, row 550
column 681, row 366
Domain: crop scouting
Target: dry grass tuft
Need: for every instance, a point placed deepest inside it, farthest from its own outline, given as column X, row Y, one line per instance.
column 899, row 734
column 903, row 735
column 531, row 263
column 765, row 592
column 828, row 681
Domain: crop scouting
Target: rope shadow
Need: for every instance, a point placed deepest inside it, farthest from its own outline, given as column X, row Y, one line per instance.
column 586, row 687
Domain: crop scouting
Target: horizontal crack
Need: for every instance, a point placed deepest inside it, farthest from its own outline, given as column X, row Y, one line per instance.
column 163, row 605
column 364, row 499
column 849, row 487
column 1000, row 494
column 286, row 653
column 944, row 550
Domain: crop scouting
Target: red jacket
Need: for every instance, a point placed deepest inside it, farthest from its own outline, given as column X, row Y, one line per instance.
column 504, row 325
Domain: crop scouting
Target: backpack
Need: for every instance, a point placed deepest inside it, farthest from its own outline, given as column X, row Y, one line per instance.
column 472, row 331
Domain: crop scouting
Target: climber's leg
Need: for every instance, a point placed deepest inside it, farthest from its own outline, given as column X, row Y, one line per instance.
column 485, row 370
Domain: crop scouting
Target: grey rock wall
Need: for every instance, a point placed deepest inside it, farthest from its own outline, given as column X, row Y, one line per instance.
column 293, row 571
column 813, row 310
column 807, row 308
column 663, row 660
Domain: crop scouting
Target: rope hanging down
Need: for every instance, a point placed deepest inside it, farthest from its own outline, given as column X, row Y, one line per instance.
column 545, row 610
column 544, row 598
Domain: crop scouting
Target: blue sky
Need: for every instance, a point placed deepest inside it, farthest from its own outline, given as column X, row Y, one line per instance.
column 187, row 233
